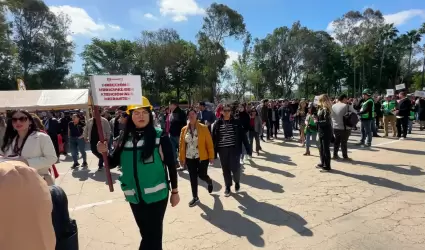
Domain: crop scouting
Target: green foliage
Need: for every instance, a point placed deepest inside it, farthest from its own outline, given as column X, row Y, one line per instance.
column 363, row 51
column 34, row 46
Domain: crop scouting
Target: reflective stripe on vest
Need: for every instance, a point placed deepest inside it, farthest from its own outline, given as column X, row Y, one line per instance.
column 366, row 115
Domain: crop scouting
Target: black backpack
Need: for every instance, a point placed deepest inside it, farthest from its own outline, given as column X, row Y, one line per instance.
column 350, row 119
column 65, row 228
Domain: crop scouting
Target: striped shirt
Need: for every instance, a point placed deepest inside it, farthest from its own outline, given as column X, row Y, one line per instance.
column 227, row 135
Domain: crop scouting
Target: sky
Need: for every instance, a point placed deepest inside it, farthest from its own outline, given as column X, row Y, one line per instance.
column 125, row 19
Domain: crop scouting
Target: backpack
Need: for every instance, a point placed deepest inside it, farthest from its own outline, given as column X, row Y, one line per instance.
column 65, row 228
column 350, row 119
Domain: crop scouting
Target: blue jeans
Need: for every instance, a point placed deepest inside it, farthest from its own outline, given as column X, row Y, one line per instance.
column 77, row 144
column 410, row 124
column 309, row 139
column 366, row 128
column 175, row 144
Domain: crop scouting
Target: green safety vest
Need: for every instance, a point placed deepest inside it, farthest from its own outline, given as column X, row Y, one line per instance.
column 143, row 179
column 412, row 115
column 389, row 107
column 311, row 125
column 366, row 115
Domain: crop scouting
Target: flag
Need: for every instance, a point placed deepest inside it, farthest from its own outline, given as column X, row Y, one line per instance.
column 21, row 84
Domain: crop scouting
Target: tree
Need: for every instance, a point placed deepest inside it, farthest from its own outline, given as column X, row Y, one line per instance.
column 220, row 22
column 43, row 52
column 109, row 57
column 8, row 54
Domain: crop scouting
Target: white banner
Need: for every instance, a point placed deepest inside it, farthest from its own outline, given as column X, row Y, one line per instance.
column 111, row 90
column 390, row 92
column 400, row 86
column 420, row 93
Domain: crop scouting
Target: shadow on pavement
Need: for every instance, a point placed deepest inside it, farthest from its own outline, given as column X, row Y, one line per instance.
column 399, row 169
column 379, row 181
column 278, row 158
column 232, row 222
column 85, row 174
column 260, row 183
column 272, row 214
column 270, row 170
column 404, row 151
column 185, row 175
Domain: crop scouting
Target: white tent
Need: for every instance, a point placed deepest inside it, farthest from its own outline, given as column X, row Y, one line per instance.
column 32, row 100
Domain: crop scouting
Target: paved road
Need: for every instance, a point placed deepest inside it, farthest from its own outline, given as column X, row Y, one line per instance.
column 375, row 202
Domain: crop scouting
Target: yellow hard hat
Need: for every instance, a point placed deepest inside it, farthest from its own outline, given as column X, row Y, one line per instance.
column 145, row 104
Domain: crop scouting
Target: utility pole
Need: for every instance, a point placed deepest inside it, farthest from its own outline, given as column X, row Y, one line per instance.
column 423, row 73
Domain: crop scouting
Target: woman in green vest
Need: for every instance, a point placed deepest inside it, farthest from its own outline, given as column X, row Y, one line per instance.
column 143, row 151
column 310, row 129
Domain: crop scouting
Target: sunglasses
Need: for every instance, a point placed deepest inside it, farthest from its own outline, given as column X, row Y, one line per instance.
column 21, row 119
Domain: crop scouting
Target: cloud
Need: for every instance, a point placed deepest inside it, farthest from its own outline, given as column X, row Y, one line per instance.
column 150, row 16
column 232, row 56
column 397, row 19
column 81, row 22
column 402, row 17
column 178, row 10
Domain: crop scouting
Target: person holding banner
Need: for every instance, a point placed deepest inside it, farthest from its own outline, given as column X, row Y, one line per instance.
column 142, row 151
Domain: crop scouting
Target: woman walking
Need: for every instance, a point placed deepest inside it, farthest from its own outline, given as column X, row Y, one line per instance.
column 196, row 151
column 324, row 122
column 254, row 130
column 228, row 137
column 310, row 129
column 23, row 142
column 76, row 140
column 301, row 116
column 142, row 151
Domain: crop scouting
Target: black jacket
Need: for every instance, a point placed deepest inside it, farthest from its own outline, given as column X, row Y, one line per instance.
column 244, row 120
column 404, row 107
column 241, row 137
column 276, row 114
column 177, row 121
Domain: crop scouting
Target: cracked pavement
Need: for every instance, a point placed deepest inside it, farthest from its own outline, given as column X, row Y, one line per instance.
column 375, row 202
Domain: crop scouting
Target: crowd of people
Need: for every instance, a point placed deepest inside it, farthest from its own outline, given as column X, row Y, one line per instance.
column 141, row 142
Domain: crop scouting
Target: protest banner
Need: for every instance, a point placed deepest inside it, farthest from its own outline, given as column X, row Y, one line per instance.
column 390, row 92
column 400, row 86
column 420, row 93
column 112, row 90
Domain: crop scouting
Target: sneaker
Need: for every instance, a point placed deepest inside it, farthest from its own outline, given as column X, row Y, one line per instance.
column 193, row 202
column 237, row 187
column 241, row 161
column 336, row 157
column 347, row 159
column 367, row 145
column 402, row 138
column 306, row 154
column 75, row 165
column 248, row 157
column 227, row 192
column 319, row 166
column 85, row 165
column 323, row 170
column 360, row 143
column 100, row 169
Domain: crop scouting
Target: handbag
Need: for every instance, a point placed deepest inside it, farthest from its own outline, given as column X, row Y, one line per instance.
column 350, row 119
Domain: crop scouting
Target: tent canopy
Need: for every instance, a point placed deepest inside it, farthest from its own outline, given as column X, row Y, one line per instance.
column 32, row 100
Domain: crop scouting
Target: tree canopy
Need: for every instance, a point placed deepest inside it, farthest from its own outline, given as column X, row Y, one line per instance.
column 362, row 51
